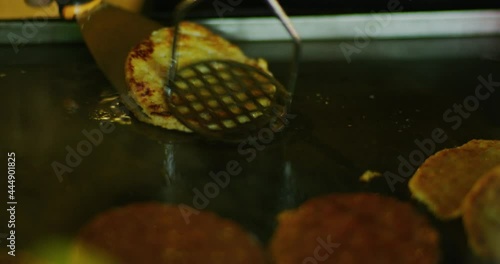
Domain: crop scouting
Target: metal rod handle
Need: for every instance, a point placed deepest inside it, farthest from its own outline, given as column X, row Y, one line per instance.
column 287, row 23
column 179, row 13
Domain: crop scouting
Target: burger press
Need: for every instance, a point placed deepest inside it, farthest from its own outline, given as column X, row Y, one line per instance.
column 228, row 100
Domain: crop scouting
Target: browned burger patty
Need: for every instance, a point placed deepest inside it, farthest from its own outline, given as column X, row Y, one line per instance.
column 354, row 228
column 445, row 178
column 147, row 64
column 158, row 233
column 482, row 216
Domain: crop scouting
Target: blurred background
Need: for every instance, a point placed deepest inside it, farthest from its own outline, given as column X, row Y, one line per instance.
column 160, row 9
column 317, row 7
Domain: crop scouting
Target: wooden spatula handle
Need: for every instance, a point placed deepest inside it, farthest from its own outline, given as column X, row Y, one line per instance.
column 70, row 9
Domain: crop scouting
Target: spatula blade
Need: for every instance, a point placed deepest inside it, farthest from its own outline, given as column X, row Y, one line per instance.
column 110, row 33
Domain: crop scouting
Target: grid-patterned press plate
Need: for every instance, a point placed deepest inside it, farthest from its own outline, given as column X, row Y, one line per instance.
column 226, row 100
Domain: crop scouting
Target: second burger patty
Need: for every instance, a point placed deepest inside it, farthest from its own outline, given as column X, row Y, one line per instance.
column 354, row 229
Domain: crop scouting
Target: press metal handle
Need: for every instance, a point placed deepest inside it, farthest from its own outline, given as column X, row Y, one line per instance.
column 70, row 9
column 183, row 8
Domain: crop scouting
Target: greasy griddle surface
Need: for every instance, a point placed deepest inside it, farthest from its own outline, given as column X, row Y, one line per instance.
column 349, row 118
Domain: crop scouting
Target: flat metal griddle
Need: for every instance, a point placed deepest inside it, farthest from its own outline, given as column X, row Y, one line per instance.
column 358, row 116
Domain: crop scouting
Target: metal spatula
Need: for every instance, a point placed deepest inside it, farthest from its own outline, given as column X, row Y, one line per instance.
column 228, row 100
column 110, row 33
